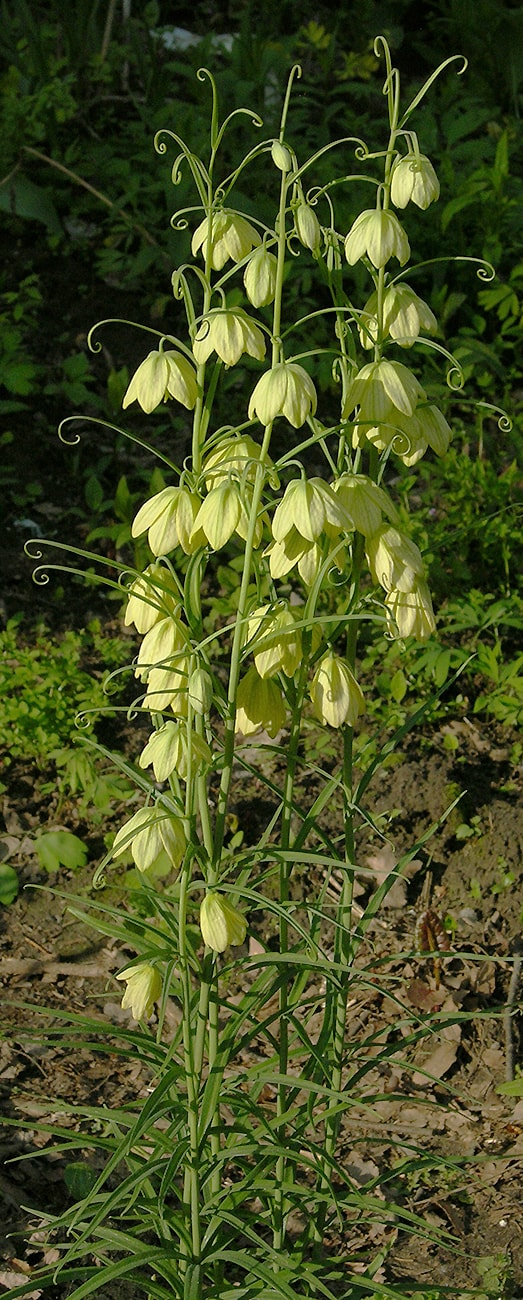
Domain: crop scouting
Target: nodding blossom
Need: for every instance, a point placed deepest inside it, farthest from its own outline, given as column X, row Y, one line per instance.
column 221, row 924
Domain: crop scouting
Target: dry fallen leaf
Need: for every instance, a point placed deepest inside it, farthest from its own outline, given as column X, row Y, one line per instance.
column 440, row 1061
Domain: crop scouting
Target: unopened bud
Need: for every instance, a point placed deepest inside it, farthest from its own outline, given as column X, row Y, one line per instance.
column 281, row 156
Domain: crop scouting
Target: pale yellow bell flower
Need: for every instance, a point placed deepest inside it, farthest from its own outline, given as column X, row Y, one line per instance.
column 144, row 988
column 231, row 237
column 167, row 751
column 221, row 924
column 405, row 317
column 402, row 433
column 363, row 503
column 168, row 520
column 336, row 697
column 381, row 388
column 164, row 641
column 236, row 457
column 219, row 514
column 150, row 597
column 167, row 687
column 162, row 375
column 414, row 180
column 310, row 506
column 284, row 555
column 285, row 390
column 260, row 705
column 394, row 560
column 435, row 428
column 229, row 334
column 152, row 836
column 410, row 613
column 259, row 277
column 276, row 640
column 379, row 236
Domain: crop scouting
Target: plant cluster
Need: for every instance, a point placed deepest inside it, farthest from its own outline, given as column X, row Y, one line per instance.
column 240, row 1132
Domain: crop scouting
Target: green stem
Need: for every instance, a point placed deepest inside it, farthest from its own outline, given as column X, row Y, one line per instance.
column 284, row 874
column 191, row 1190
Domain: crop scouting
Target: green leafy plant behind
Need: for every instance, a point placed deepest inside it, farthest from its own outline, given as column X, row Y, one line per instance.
column 291, row 504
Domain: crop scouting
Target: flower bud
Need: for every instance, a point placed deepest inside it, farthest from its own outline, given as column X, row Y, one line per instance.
column 200, row 691
column 379, row 236
column 414, row 178
column 336, row 697
column 281, row 156
column 144, row 987
column 260, row 277
column 221, row 924
column 307, row 227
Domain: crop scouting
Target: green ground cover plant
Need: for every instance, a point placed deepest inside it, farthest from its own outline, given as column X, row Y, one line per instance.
column 285, row 490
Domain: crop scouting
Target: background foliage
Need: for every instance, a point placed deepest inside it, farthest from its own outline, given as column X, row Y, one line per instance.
column 84, row 198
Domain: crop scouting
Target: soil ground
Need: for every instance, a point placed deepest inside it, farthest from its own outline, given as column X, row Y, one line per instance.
column 49, row 959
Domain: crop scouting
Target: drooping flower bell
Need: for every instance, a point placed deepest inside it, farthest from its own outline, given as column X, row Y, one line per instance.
column 221, row 924
column 336, row 696
column 285, row 390
column 144, row 988
column 162, row 375
column 200, row 691
column 259, row 277
column 363, row 502
column 260, row 705
column 236, row 457
column 378, row 235
column 307, row 226
column 394, row 560
column 150, row 597
column 410, row 613
column 414, row 180
column 168, row 750
column 310, row 506
column 163, row 662
column 156, row 839
column 405, row 316
column 277, row 641
column 380, row 389
column 229, row 334
column 168, row 519
column 219, row 514
column 231, row 237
